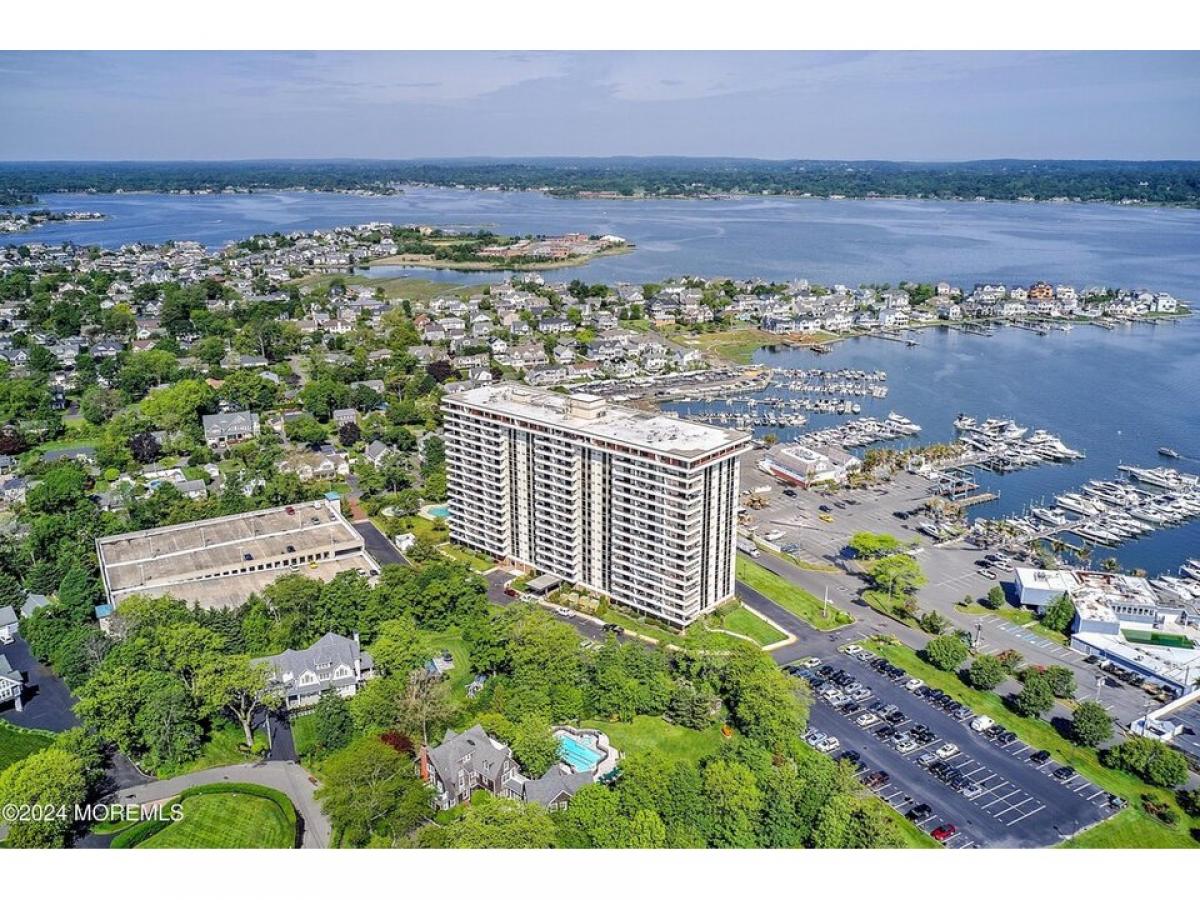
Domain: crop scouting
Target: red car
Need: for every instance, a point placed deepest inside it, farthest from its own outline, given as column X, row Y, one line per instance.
column 944, row 832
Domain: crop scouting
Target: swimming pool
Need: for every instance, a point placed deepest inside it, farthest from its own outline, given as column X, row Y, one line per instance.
column 439, row 512
column 579, row 753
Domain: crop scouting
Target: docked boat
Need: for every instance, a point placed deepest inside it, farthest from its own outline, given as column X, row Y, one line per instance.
column 1077, row 504
column 1049, row 515
column 1191, row 568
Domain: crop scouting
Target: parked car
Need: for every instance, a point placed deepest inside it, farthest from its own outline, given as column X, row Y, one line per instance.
column 944, row 832
column 866, row 720
column 828, row 745
column 971, row 790
column 908, row 745
column 1064, row 773
column 913, row 683
column 981, row 724
column 1040, row 758
column 947, row 750
column 925, row 760
column 851, row 649
column 919, row 813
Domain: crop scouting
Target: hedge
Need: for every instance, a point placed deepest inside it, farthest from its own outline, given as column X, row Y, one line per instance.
column 142, row 831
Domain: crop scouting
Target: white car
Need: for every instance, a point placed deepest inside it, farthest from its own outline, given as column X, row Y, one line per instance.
column 913, row 683
column 815, row 738
column 981, row 723
column 852, row 649
column 907, row 746
column 564, row 612
column 828, row 745
column 947, row 750
column 811, row 663
column 866, row 720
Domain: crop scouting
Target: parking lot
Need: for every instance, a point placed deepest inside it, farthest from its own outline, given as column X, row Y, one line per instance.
column 985, row 784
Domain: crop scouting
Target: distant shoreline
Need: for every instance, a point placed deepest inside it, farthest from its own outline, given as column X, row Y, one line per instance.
column 500, row 265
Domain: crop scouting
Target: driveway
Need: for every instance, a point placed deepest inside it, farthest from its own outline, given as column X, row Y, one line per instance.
column 47, row 699
column 287, row 777
column 381, row 549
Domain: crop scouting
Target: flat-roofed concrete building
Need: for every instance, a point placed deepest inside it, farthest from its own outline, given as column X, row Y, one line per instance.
column 637, row 506
column 221, row 562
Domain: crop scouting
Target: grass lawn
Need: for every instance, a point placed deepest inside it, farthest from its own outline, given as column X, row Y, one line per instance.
column 225, row 821
column 18, row 743
column 1132, row 829
column 647, row 627
column 1025, row 618
column 477, row 561
column 743, row 621
column 304, row 734
column 1138, row 828
column 393, row 288
column 425, row 529
column 737, row 346
column 460, row 676
column 655, row 733
column 221, row 749
column 791, row 597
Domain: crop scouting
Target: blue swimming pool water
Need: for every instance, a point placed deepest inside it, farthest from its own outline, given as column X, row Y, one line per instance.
column 579, row 755
column 439, row 512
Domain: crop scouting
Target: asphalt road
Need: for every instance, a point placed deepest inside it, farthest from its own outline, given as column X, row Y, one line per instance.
column 381, row 549
column 47, row 699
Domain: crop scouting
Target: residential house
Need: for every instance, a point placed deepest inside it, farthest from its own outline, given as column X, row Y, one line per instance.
column 474, row 760
column 223, row 429
column 334, row 663
column 11, row 683
column 8, row 625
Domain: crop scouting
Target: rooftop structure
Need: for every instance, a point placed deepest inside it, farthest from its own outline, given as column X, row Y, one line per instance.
column 221, row 562
column 805, row 466
column 588, row 414
column 1121, row 619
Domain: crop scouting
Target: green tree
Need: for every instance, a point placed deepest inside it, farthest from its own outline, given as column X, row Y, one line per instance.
column 947, row 652
column 51, row 778
column 1091, row 725
column 986, row 673
column 368, row 790
column 994, row 598
column 304, row 429
column 495, row 823
column 1151, row 760
column 1060, row 614
column 534, row 746
column 868, row 544
column 236, row 686
column 896, row 574
column 400, row 648
column 1061, row 681
column 734, row 801
column 332, row 725
column 1035, row 698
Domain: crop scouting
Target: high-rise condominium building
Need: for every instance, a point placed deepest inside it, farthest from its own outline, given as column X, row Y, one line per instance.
column 637, row 506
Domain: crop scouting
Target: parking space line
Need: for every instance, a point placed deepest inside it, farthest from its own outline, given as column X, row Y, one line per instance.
column 1026, row 816
column 1000, row 799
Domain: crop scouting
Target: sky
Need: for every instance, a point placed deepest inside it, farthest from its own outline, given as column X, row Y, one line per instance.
column 805, row 105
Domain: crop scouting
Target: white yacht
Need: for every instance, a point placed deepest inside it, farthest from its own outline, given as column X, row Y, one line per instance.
column 1077, row 504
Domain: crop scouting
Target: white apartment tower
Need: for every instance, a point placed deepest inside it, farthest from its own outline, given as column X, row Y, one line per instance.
column 637, row 506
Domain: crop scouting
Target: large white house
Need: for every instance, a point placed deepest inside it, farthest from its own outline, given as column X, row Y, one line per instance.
column 639, row 507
